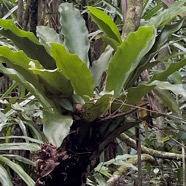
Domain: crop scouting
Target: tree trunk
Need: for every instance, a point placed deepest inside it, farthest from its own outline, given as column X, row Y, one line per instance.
column 33, row 15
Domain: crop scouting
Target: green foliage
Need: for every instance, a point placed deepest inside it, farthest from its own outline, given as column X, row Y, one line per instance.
column 178, row 89
column 136, row 93
column 19, row 146
column 65, row 72
column 55, row 69
column 19, row 170
column 12, row 145
column 161, row 39
column 165, row 16
column 105, row 23
column 56, row 127
column 94, row 110
column 54, row 82
column 173, row 67
column 148, row 13
column 47, row 35
column 124, row 62
column 103, row 170
column 75, row 31
column 101, row 65
column 19, row 78
column 168, row 100
column 27, row 42
column 5, row 179
column 81, row 77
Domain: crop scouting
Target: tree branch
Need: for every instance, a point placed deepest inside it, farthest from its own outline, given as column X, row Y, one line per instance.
column 115, row 179
column 155, row 153
column 132, row 10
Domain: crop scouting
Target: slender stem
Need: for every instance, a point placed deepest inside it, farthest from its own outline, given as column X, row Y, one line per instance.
column 138, row 143
column 184, row 166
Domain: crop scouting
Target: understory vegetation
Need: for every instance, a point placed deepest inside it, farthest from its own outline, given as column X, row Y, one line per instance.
column 92, row 93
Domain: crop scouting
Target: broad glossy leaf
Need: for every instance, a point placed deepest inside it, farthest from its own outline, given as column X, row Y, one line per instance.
column 78, row 99
column 173, row 67
column 178, row 89
column 18, row 58
column 97, row 109
column 113, row 43
column 19, row 170
column 56, row 127
column 19, row 78
column 160, row 41
column 163, row 38
column 20, row 62
column 127, row 58
column 176, row 77
column 74, row 69
column 66, row 104
column 168, row 100
column 5, row 179
column 27, row 42
column 166, row 34
column 105, row 23
column 54, row 82
column 134, row 94
column 75, row 31
column 48, row 35
column 165, row 16
column 100, row 66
